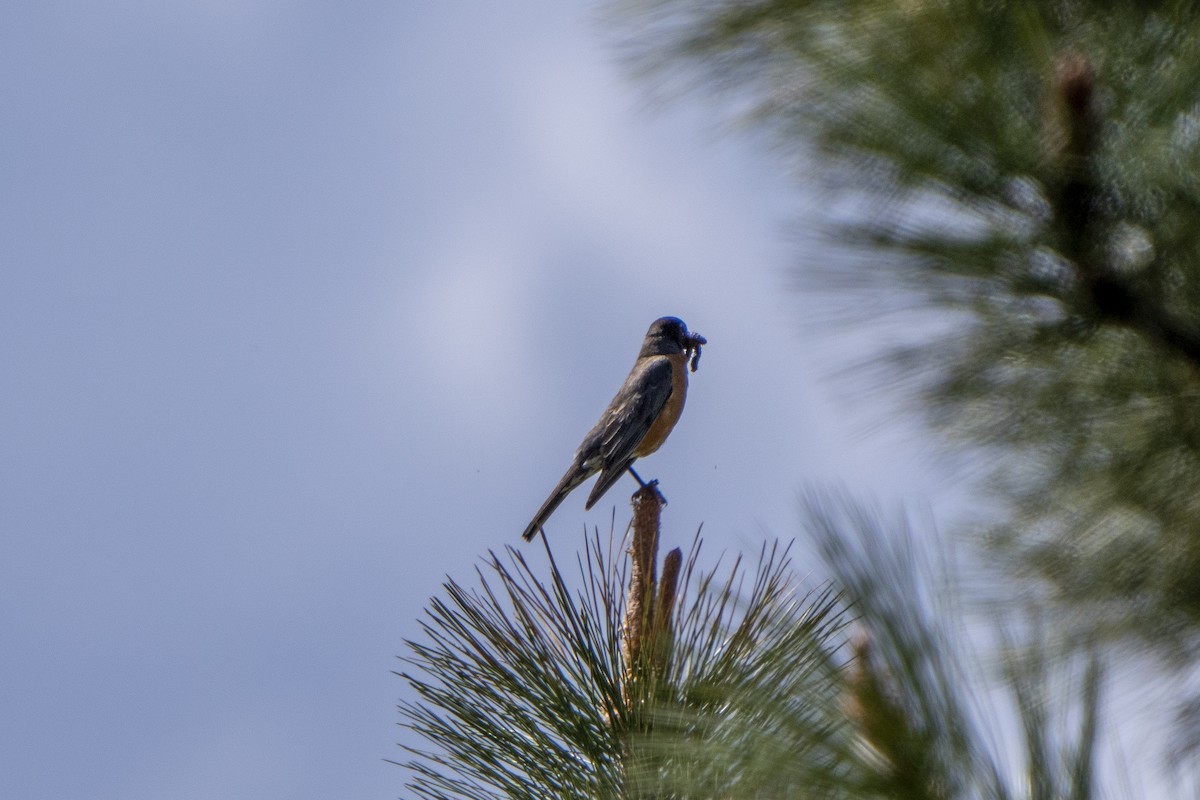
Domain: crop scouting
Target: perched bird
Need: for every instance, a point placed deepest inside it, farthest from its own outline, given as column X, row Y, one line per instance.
column 637, row 420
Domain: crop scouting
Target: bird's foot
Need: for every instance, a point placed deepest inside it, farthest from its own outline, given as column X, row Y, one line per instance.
column 651, row 487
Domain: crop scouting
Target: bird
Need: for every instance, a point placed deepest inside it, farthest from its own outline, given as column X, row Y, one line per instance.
column 638, row 419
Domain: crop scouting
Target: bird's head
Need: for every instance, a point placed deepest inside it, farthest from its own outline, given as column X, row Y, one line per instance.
column 669, row 336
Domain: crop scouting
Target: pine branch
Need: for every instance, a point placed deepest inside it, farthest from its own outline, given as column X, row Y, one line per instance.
column 627, row 687
column 1080, row 206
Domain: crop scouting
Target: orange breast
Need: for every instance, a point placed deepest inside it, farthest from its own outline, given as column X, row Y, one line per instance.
column 670, row 414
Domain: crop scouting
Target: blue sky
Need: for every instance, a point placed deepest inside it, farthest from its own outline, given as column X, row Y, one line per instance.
column 307, row 305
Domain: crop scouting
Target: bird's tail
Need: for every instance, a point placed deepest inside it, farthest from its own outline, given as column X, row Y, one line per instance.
column 575, row 476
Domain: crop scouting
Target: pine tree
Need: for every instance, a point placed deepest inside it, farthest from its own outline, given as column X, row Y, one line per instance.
column 733, row 683
column 1030, row 169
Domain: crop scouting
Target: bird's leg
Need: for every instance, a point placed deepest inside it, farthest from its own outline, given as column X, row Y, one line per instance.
column 636, row 477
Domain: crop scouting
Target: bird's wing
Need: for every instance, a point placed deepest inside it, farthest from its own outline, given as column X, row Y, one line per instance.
column 628, row 418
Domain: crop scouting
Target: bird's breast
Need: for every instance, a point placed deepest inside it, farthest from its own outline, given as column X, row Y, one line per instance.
column 665, row 421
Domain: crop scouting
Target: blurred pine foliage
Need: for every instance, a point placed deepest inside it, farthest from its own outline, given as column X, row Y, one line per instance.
column 1033, row 167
